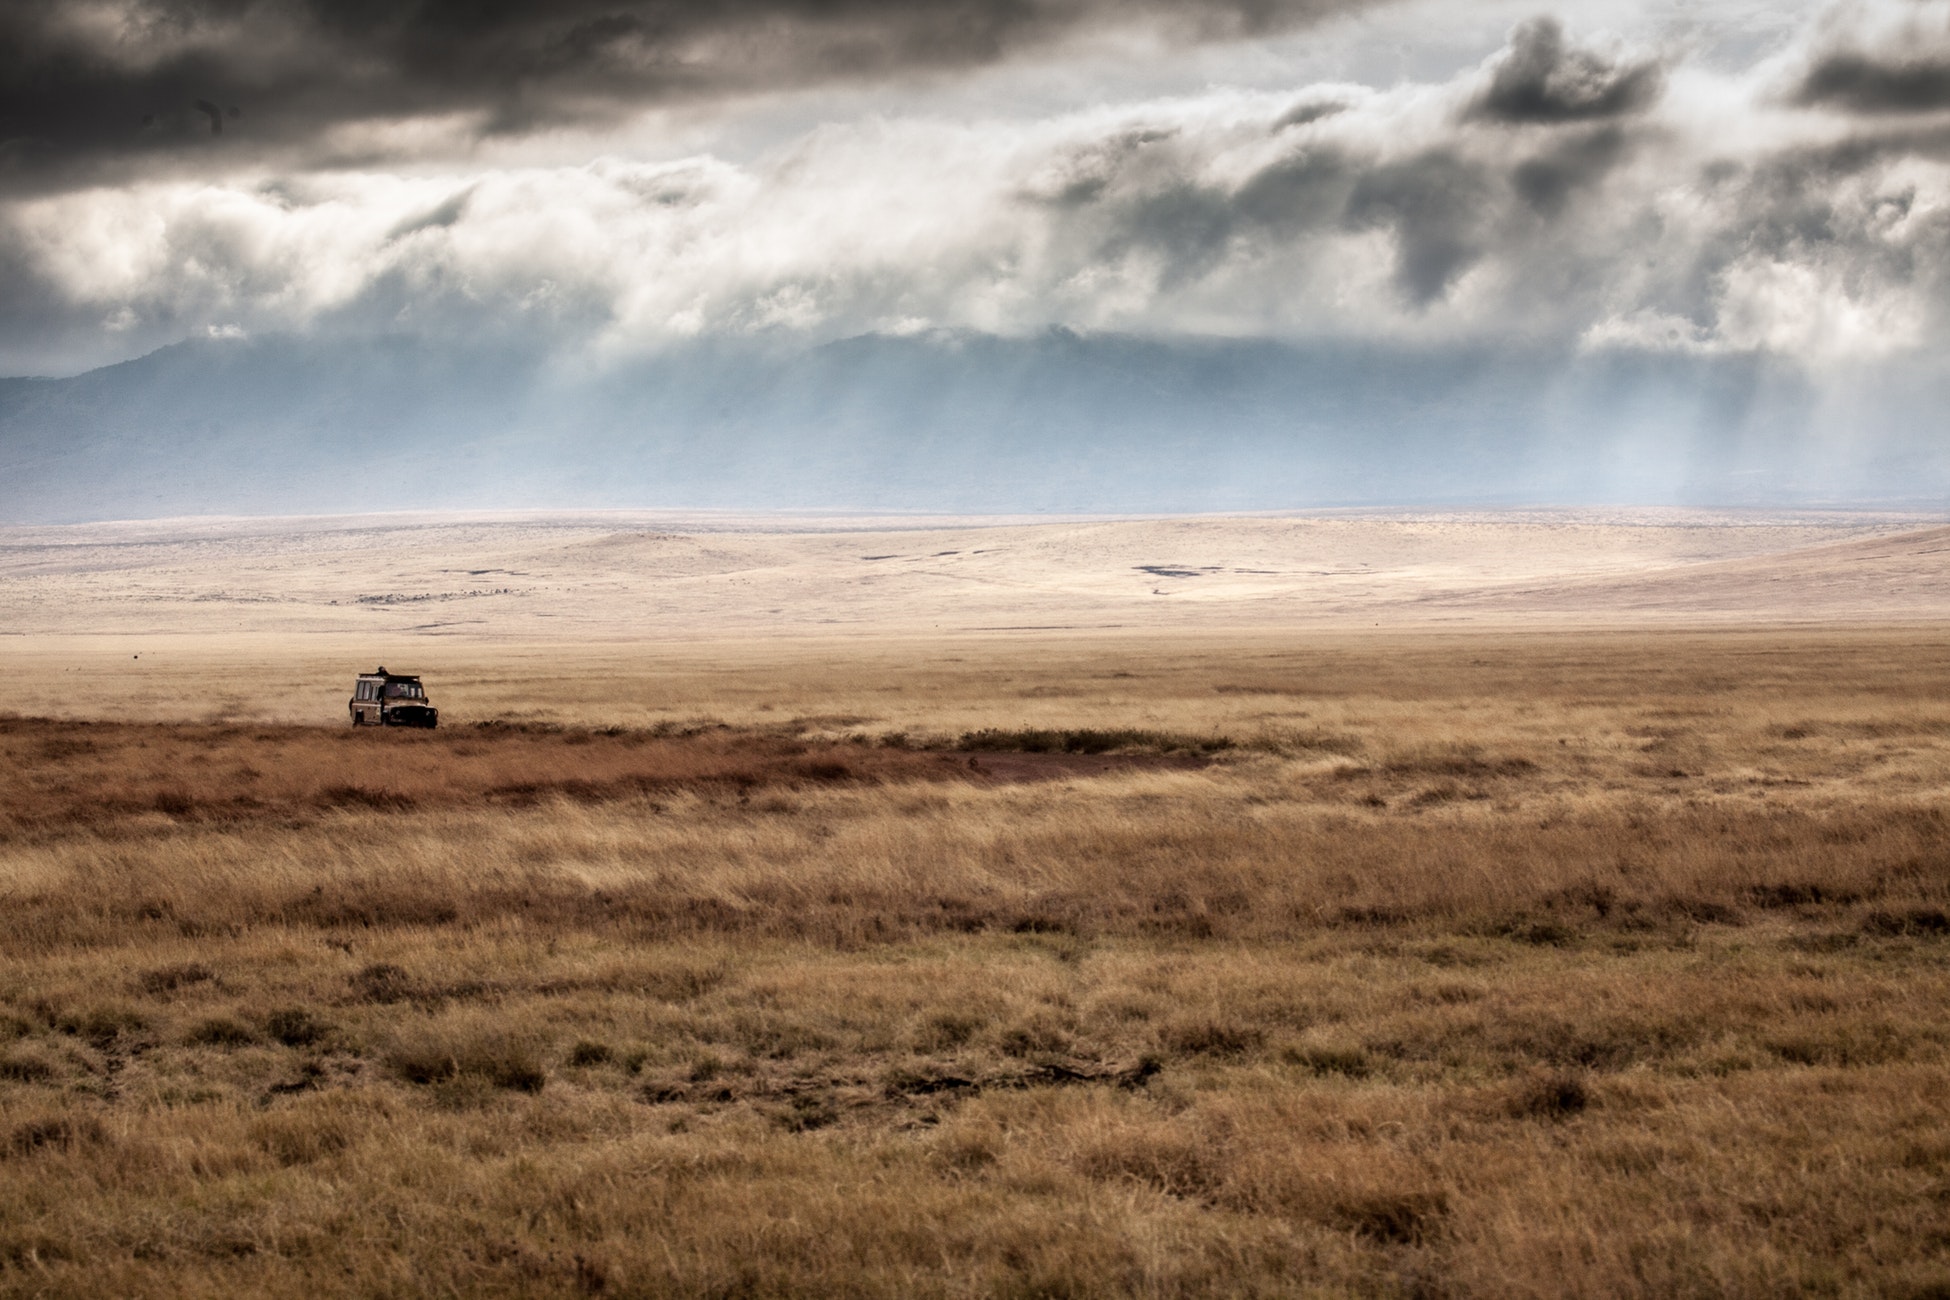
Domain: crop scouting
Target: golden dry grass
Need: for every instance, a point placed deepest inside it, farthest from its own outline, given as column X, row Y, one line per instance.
column 1466, row 967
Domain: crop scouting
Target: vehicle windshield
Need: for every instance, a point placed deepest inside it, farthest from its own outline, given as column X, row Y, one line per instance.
column 403, row 691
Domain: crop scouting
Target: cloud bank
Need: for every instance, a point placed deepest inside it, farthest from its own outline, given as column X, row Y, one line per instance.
column 1571, row 189
column 109, row 88
column 1564, row 188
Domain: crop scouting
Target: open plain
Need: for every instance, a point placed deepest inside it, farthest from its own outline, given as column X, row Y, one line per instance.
column 1478, row 905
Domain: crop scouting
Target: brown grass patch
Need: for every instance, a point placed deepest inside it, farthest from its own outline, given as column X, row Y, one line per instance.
column 225, row 775
column 779, row 1009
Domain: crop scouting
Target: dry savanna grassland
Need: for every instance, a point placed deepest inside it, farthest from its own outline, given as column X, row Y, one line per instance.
column 1435, row 964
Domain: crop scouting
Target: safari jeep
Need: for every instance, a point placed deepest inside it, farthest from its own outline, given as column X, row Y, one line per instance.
column 383, row 699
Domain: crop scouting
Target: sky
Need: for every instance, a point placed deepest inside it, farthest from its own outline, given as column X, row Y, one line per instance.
column 601, row 181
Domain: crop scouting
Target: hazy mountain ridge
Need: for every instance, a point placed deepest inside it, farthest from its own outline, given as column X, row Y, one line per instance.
column 961, row 422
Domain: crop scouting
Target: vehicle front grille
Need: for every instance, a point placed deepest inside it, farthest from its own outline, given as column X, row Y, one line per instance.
column 412, row 715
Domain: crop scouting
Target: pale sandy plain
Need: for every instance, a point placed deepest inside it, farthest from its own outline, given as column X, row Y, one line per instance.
column 578, row 576
column 274, row 608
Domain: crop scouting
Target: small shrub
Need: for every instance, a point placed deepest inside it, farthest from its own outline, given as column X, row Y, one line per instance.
column 1171, row 1160
column 668, row 982
column 1315, row 740
column 807, row 1112
column 25, row 1067
column 1463, row 761
column 1552, row 1095
column 588, row 1052
column 451, row 1054
column 1847, row 1045
column 1545, row 934
column 174, row 803
column 966, row 1148
column 295, row 1027
column 358, row 796
column 1212, row 1037
column 1086, row 740
column 947, row 1030
column 1033, row 1038
column 59, row 1133
column 1370, row 916
column 423, row 1063
column 384, row 983
column 1917, row 921
column 170, row 978
column 302, row 1137
column 1799, row 894
column 1702, row 911
column 1351, row 1062
column 102, row 1025
column 1399, row 1218
column 220, row 1031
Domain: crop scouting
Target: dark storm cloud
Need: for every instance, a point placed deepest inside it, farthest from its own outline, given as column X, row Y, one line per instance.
column 1142, row 192
column 1437, row 205
column 159, row 79
column 1864, row 84
column 1548, row 181
column 1875, row 57
column 1475, row 192
column 1543, row 78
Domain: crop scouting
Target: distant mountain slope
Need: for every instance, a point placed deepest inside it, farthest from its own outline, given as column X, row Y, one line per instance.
column 933, row 422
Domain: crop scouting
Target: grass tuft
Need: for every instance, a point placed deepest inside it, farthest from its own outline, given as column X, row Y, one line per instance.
column 589, row 1052
column 296, row 1027
column 476, row 1050
column 168, row 979
column 1549, row 1095
column 25, row 1067
column 220, row 1031
column 57, row 1133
